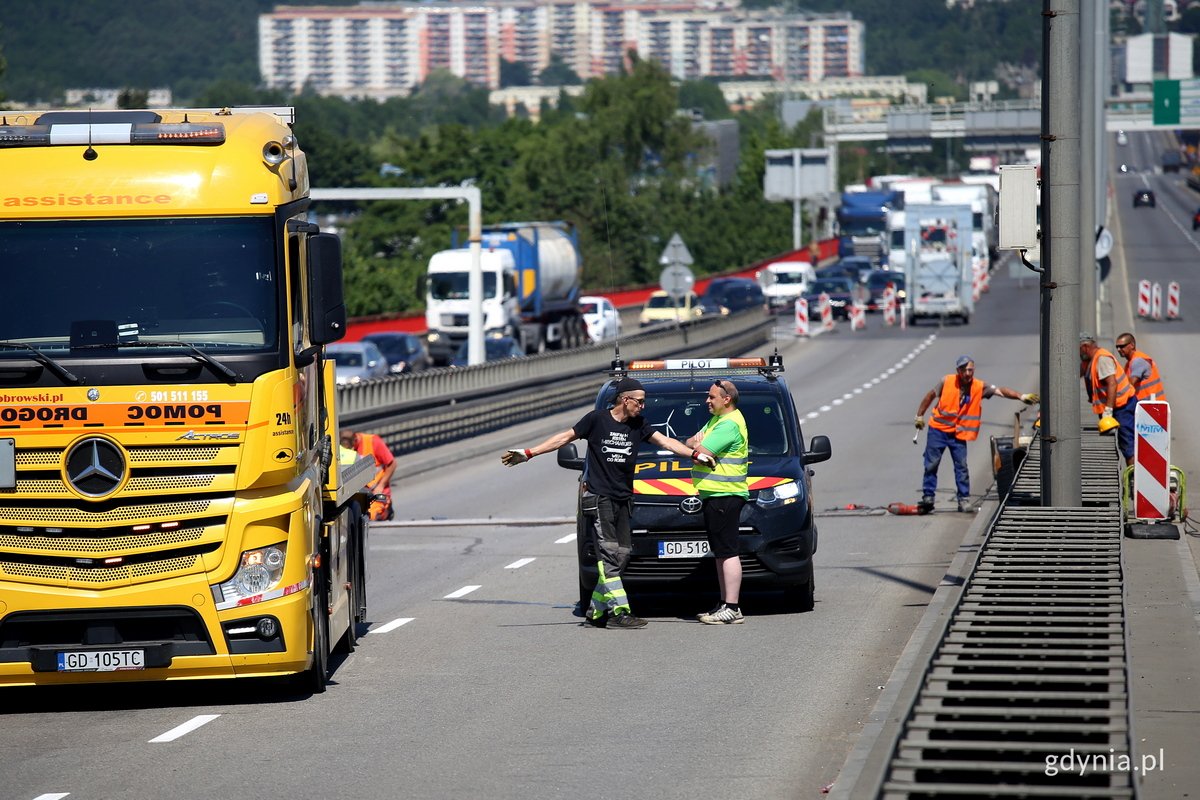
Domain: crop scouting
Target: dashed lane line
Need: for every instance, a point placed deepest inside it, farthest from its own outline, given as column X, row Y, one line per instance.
column 391, row 626
column 186, row 728
column 521, row 562
column 457, row 593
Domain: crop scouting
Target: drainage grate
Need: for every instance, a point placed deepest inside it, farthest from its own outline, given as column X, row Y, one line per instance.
column 1032, row 666
column 1097, row 472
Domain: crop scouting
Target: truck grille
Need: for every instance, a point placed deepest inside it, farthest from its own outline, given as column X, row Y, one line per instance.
column 173, row 506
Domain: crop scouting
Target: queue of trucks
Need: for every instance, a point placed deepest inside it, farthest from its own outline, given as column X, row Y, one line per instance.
column 939, row 233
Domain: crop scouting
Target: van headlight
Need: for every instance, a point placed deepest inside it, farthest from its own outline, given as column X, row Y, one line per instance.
column 260, row 571
column 780, row 495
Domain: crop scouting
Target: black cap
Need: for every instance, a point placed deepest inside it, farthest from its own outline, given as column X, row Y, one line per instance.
column 628, row 385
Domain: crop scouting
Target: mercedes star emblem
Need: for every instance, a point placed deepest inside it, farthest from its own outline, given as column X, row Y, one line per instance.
column 95, row 467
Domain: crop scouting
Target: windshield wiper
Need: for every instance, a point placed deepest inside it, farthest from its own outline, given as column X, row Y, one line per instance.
column 200, row 355
column 55, row 367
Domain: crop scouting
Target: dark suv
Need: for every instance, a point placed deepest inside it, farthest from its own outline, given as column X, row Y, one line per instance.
column 730, row 295
column 670, row 548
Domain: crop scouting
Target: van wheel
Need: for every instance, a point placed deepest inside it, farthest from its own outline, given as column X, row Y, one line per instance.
column 802, row 597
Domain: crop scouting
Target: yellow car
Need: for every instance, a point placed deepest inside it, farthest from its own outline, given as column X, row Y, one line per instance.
column 661, row 307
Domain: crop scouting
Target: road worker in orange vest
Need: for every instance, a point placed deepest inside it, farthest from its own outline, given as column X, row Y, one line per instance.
column 1113, row 396
column 1141, row 369
column 954, row 422
column 380, row 487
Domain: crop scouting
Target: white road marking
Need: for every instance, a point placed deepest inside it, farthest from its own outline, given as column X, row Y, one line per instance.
column 570, row 537
column 883, row 376
column 520, row 563
column 56, row 796
column 461, row 592
column 813, row 414
column 391, row 626
column 185, row 728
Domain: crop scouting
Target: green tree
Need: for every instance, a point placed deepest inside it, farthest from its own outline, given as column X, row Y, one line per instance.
column 133, row 98
column 704, row 96
column 515, row 73
column 557, row 73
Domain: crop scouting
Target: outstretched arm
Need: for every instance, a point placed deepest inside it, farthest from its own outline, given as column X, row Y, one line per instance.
column 517, row 456
column 680, row 449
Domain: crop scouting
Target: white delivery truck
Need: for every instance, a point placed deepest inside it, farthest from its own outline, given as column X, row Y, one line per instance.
column 939, row 270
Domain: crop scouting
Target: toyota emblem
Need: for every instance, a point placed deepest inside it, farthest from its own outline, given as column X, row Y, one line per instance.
column 691, row 505
column 95, row 467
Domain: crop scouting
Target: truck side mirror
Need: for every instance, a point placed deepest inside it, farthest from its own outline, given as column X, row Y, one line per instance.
column 327, row 307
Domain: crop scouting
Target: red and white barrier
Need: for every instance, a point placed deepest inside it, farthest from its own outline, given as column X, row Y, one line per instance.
column 858, row 317
column 1156, row 301
column 976, row 282
column 801, row 317
column 826, row 312
column 1172, row 300
column 1152, row 460
column 1143, row 299
column 985, row 281
column 889, row 306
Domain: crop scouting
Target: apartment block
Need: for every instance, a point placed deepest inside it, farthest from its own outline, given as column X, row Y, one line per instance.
column 385, row 49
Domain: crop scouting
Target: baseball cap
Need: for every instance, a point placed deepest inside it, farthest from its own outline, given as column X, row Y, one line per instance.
column 963, row 361
column 629, row 385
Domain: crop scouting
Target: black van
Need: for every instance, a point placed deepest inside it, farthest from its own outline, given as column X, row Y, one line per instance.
column 670, row 548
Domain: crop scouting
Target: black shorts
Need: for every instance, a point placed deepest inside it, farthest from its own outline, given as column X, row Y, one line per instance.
column 722, row 515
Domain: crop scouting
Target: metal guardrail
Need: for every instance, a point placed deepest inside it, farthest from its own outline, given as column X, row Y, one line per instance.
column 1032, row 664
column 437, row 406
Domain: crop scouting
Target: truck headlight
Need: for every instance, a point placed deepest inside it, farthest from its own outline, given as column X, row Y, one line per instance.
column 780, row 495
column 433, row 337
column 260, row 571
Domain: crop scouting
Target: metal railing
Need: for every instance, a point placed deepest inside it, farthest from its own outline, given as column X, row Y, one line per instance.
column 438, row 406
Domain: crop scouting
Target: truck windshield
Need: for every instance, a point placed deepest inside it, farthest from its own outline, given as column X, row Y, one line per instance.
column 453, row 285
column 210, row 283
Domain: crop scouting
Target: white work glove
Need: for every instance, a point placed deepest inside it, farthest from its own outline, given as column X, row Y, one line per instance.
column 919, row 422
column 513, row 457
column 1029, row 398
column 1107, row 413
column 704, row 458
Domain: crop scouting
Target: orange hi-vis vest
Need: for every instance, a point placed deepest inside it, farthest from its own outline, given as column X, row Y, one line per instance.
column 952, row 416
column 1124, row 387
column 1151, row 387
column 366, row 447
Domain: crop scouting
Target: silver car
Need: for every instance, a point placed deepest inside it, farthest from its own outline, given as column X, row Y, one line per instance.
column 355, row 362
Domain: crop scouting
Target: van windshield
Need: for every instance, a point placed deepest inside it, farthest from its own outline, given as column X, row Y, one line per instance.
column 680, row 414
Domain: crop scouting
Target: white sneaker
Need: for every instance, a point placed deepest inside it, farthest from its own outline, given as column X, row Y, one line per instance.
column 722, row 616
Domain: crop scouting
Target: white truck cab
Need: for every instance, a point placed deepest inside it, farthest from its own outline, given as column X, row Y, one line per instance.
column 785, row 281
column 448, row 299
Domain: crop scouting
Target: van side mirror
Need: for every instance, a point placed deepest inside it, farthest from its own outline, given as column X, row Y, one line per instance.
column 569, row 458
column 327, row 306
column 819, row 450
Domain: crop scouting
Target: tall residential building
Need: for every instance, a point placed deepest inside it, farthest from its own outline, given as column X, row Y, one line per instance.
column 384, row 49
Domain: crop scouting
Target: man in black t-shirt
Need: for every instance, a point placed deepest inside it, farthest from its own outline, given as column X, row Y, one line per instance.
column 613, row 437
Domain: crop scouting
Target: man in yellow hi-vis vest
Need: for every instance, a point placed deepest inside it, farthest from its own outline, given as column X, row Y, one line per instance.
column 724, row 489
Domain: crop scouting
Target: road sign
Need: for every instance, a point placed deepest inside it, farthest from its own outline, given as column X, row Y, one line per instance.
column 676, row 252
column 1177, row 102
column 677, row 281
